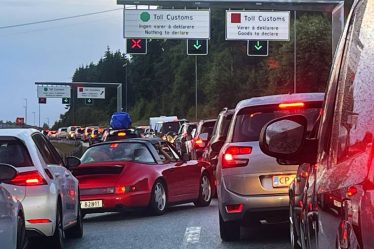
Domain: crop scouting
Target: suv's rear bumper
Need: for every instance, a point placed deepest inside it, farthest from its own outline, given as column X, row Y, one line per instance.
column 258, row 207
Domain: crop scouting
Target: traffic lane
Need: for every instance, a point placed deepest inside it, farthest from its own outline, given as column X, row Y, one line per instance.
column 181, row 227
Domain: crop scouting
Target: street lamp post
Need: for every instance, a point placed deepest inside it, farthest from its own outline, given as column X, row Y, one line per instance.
column 25, row 106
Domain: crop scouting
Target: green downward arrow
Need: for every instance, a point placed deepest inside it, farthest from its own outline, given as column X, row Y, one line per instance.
column 258, row 46
column 197, row 45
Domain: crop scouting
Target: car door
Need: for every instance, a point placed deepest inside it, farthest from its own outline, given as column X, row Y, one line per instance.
column 8, row 220
column 343, row 198
column 58, row 173
column 72, row 198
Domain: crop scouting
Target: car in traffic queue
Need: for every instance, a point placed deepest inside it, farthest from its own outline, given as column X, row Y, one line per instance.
column 12, row 218
column 139, row 173
column 252, row 188
column 46, row 188
column 78, row 133
column 184, row 135
column 71, row 132
column 87, row 132
column 218, row 138
column 168, row 130
column 110, row 134
column 95, row 137
column 201, row 137
column 62, row 133
column 337, row 209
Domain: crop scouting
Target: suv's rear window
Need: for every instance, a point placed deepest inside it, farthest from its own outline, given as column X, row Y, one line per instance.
column 170, row 127
column 248, row 124
column 15, row 153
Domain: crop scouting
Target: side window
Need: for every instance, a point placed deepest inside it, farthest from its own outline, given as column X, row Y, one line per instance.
column 44, row 149
column 354, row 113
column 54, row 152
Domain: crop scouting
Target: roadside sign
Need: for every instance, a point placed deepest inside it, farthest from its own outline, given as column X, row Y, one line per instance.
column 91, row 92
column 258, row 48
column 167, row 24
column 42, row 100
column 89, row 101
column 197, row 47
column 46, row 91
column 258, row 25
column 136, row 46
column 66, row 101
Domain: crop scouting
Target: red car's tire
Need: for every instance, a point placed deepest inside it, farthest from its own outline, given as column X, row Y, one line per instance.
column 158, row 202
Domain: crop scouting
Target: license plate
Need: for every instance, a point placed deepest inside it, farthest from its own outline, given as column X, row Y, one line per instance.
column 91, row 204
column 282, row 180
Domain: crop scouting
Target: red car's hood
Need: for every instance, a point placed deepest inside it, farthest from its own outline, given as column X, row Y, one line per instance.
column 101, row 174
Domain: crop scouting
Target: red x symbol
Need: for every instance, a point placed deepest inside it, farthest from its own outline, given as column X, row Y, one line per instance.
column 136, row 43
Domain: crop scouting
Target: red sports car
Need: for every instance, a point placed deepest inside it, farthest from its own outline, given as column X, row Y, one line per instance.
column 127, row 174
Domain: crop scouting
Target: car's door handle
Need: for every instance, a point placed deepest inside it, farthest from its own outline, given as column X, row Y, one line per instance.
column 57, row 175
column 67, row 174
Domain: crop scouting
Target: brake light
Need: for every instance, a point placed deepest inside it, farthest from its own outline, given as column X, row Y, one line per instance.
column 120, row 190
column 291, row 105
column 351, row 191
column 113, row 146
column 230, row 159
column 198, row 143
column 36, row 221
column 32, row 178
column 235, row 208
column 121, row 134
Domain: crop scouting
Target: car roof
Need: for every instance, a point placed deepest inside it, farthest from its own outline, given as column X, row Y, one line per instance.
column 21, row 133
column 208, row 120
column 281, row 98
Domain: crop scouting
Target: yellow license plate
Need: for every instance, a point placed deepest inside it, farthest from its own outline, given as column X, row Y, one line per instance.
column 91, row 204
column 282, row 180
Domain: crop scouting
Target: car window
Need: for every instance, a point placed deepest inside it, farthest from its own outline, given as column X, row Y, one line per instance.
column 14, row 152
column 353, row 125
column 44, row 150
column 135, row 152
column 248, row 124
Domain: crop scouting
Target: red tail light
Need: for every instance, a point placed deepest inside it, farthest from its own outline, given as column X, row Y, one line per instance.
column 291, row 105
column 120, row 189
column 198, row 143
column 31, row 178
column 351, row 191
column 230, row 159
column 36, row 221
column 235, row 208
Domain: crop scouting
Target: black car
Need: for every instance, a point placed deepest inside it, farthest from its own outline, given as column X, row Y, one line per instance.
column 115, row 135
column 95, row 137
column 337, row 209
column 219, row 135
column 184, row 135
column 201, row 137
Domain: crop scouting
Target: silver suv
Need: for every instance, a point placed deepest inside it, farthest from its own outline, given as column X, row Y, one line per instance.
column 253, row 187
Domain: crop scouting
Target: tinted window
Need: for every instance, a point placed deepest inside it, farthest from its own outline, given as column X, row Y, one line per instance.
column 14, row 152
column 207, row 127
column 354, row 119
column 170, row 127
column 44, row 150
column 135, row 152
column 248, row 124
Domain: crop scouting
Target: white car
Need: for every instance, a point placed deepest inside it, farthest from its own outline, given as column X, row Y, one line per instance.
column 62, row 133
column 46, row 188
column 12, row 221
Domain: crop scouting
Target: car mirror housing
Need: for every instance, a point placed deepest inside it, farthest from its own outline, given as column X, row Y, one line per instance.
column 216, row 146
column 285, row 139
column 7, row 172
column 72, row 162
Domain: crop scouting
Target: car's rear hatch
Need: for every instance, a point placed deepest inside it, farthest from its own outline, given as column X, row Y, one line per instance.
column 246, row 169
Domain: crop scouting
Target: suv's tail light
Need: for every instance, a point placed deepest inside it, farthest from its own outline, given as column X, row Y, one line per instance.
column 198, row 143
column 230, row 157
column 31, row 178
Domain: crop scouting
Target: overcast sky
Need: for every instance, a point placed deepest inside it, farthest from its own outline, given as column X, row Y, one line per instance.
column 50, row 51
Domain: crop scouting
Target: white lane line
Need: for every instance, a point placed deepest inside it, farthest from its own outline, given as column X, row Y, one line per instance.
column 191, row 236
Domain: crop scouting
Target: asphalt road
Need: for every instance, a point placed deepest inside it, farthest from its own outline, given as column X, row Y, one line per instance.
column 182, row 227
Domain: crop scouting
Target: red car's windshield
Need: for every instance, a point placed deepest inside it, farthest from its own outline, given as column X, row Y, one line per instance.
column 135, row 152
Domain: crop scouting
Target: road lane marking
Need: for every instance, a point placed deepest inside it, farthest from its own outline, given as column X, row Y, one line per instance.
column 191, row 237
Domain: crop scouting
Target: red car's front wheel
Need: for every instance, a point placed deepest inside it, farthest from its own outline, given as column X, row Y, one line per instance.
column 158, row 198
